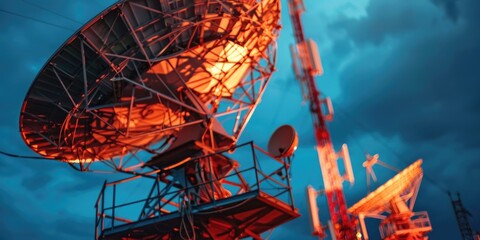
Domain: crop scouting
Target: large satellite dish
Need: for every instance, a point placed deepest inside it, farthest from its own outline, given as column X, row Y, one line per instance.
column 405, row 183
column 130, row 79
column 162, row 89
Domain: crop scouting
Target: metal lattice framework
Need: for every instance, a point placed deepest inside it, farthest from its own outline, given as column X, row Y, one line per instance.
column 306, row 68
column 162, row 89
column 393, row 203
column 122, row 87
column 462, row 214
column 241, row 194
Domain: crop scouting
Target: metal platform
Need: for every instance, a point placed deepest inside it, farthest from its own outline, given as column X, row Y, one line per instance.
column 245, row 215
column 414, row 227
column 243, row 192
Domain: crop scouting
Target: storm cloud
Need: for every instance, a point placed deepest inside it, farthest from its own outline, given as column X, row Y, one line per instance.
column 403, row 76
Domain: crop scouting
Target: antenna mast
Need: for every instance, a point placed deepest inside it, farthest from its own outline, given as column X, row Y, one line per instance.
column 462, row 218
column 307, row 65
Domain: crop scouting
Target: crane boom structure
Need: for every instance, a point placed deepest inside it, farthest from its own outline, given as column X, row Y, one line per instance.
column 306, row 68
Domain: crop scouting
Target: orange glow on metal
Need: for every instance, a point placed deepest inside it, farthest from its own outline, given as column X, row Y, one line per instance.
column 378, row 201
column 214, row 68
column 307, row 64
column 105, row 96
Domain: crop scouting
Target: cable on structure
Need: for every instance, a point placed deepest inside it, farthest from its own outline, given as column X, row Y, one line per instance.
column 186, row 214
column 51, row 11
column 20, row 156
column 269, row 234
column 36, row 19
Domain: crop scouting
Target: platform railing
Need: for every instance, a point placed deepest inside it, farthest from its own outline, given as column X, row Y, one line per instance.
column 418, row 223
column 254, row 171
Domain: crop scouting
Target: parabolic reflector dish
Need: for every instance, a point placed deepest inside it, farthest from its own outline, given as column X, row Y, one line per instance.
column 402, row 184
column 143, row 69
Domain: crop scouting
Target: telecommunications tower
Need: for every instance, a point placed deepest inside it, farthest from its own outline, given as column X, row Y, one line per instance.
column 307, row 65
column 462, row 214
column 390, row 199
column 162, row 90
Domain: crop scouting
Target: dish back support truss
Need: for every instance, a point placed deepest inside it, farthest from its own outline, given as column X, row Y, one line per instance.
column 120, row 89
column 393, row 203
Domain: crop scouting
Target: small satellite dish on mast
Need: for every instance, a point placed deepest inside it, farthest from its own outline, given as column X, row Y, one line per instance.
column 283, row 142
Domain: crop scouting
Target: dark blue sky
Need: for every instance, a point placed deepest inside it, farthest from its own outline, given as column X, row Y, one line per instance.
column 403, row 76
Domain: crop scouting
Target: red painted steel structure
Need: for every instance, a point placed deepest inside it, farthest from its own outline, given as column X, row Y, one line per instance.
column 344, row 227
column 162, row 90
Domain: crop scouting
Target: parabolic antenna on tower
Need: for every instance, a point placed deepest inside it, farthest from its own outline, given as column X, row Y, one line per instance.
column 405, row 183
column 142, row 70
